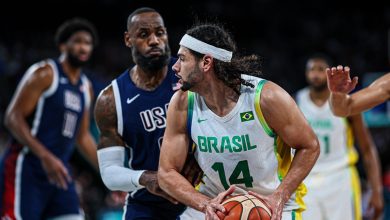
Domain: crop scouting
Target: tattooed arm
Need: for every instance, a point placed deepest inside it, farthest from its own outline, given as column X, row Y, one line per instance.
column 111, row 152
column 105, row 117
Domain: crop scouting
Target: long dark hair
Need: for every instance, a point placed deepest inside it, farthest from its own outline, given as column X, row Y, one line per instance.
column 228, row 72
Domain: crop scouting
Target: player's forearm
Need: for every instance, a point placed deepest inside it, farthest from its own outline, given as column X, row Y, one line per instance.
column 366, row 98
column 114, row 175
column 87, row 146
column 22, row 132
column 339, row 103
column 179, row 188
column 301, row 165
column 373, row 169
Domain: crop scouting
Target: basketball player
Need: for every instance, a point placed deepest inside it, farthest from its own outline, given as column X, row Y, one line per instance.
column 327, row 200
column 243, row 127
column 47, row 115
column 131, row 116
column 340, row 84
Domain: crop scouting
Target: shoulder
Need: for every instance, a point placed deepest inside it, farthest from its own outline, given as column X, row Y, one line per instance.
column 43, row 70
column 179, row 101
column 272, row 93
column 300, row 94
column 106, row 96
column 276, row 102
column 105, row 109
column 41, row 74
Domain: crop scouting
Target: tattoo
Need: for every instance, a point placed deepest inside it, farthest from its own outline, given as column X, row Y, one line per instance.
column 106, row 120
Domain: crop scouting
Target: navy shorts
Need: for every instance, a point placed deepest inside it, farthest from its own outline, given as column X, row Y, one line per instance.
column 27, row 194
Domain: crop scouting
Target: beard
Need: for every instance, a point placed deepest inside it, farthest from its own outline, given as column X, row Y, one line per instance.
column 152, row 63
column 188, row 84
column 320, row 87
column 75, row 62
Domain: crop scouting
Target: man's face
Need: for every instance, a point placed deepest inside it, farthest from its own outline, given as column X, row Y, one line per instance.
column 316, row 74
column 187, row 69
column 148, row 40
column 79, row 48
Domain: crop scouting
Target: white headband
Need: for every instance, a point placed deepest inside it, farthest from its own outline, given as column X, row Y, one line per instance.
column 204, row 48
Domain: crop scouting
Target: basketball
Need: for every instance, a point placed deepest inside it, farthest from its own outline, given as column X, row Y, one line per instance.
column 245, row 207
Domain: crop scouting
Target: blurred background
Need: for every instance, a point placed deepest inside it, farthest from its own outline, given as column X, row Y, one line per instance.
column 285, row 34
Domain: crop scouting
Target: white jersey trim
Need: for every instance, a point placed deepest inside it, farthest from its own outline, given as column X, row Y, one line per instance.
column 18, row 183
column 54, row 85
column 41, row 102
column 86, row 91
column 125, row 207
column 118, row 106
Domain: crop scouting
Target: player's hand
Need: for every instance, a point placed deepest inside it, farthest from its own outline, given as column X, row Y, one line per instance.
column 56, row 171
column 339, row 79
column 149, row 180
column 274, row 202
column 215, row 205
column 376, row 205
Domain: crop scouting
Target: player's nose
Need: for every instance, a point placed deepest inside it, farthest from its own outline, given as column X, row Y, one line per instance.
column 176, row 66
column 153, row 40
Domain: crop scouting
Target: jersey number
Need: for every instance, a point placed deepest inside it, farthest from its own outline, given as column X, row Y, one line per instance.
column 325, row 143
column 69, row 125
column 242, row 167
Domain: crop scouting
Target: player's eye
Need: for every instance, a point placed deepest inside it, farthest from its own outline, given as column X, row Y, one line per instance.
column 160, row 33
column 143, row 34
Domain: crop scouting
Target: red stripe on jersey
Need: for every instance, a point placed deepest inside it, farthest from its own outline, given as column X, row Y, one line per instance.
column 9, row 186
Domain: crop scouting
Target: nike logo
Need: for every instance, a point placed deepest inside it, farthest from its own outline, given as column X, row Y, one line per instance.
column 201, row 120
column 128, row 101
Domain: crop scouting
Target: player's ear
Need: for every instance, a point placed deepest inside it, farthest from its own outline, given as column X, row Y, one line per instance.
column 62, row 47
column 207, row 62
column 126, row 38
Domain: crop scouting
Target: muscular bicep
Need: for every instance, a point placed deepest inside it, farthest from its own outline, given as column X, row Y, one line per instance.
column 106, row 120
column 284, row 117
column 29, row 90
column 175, row 142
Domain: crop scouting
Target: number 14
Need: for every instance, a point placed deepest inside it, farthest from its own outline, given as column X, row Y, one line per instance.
column 242, row 167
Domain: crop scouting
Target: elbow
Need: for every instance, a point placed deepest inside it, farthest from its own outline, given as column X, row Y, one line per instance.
column 107, row 180
column 162, row 178
column 112, row 187
column 9, row 120
column 312, row 150
column 316, row 149
column 110, row 182
column 6, row 122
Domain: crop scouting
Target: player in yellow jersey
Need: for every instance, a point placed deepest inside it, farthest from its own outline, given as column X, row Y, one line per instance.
column 333, row 184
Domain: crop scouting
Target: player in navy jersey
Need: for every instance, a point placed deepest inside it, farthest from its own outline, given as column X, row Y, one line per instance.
column 131, row 116
column 48, row 114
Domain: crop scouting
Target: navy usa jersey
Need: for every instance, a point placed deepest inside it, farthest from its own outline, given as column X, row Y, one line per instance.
column 24, row 186
column 57, row 116
column 141, row 117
